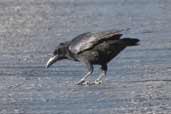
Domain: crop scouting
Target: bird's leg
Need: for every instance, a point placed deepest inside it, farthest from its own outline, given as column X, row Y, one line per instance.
column 90, row 71
column 102, row 75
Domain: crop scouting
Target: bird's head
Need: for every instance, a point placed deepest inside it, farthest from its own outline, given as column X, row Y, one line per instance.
column 58, row 54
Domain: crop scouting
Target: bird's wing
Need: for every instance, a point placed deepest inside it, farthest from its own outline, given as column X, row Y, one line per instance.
column 87, row 40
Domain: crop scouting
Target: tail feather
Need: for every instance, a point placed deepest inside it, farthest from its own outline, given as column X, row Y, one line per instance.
column 130, row 41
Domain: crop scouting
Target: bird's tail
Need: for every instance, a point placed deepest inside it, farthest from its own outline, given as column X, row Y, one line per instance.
column 130, row 41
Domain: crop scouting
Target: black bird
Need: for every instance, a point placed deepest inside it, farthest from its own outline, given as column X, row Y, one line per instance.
column 97, row 48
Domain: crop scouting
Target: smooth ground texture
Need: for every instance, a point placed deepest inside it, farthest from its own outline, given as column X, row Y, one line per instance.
column 139, row 79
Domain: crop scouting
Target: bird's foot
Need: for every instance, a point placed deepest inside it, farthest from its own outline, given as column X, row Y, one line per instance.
column 97, row 82
column 83, row 82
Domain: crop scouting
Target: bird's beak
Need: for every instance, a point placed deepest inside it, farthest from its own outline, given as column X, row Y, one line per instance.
column 51, row 61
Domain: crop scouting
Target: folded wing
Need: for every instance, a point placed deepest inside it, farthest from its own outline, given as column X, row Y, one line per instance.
column 88, row 40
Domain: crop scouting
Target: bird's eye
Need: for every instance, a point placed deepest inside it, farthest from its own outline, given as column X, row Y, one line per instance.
column 55, row 52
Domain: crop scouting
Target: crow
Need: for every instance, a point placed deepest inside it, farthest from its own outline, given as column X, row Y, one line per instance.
column 92, row 48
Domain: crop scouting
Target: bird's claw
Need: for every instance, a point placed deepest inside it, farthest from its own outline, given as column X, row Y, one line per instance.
column 83, row 82
column 97, row 82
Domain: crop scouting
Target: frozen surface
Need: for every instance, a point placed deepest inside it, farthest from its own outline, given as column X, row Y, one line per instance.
column 139, row 79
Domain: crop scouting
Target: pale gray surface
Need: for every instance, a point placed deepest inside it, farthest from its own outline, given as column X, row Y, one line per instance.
column 31, row 29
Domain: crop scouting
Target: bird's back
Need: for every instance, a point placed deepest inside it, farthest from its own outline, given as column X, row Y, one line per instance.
column 88, row 40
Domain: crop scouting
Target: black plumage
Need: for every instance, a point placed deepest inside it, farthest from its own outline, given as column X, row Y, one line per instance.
column 92, row 49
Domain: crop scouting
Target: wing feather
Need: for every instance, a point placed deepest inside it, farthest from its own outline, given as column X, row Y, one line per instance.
column 87, row 40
